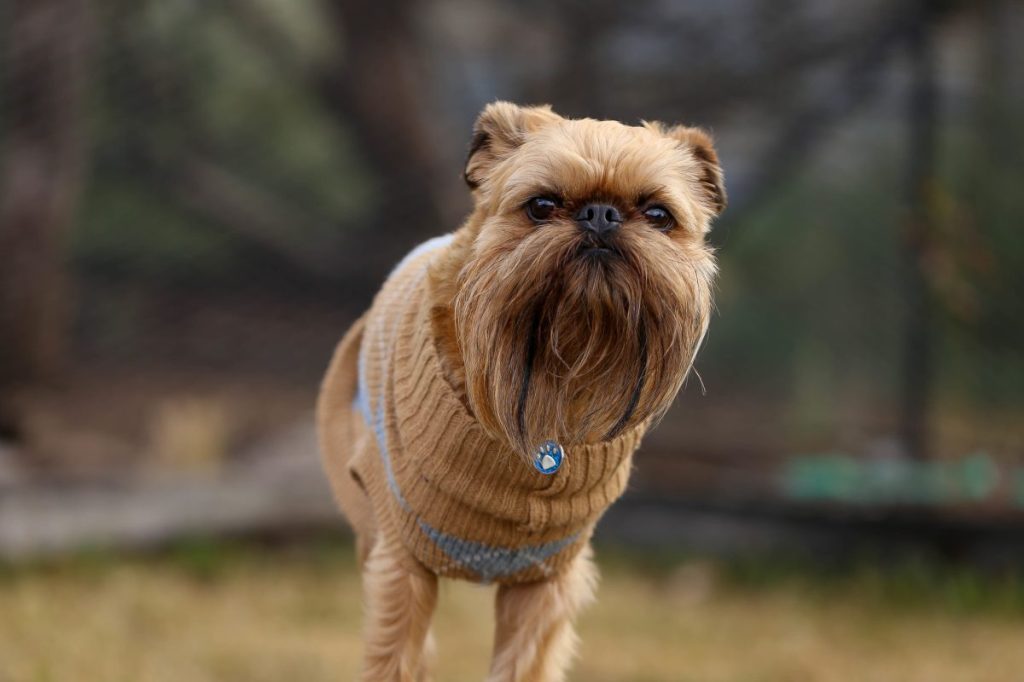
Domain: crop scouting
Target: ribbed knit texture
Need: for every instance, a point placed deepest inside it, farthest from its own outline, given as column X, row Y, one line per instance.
column 462, row 502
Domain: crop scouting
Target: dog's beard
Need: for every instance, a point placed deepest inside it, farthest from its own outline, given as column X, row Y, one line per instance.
column 563, row 343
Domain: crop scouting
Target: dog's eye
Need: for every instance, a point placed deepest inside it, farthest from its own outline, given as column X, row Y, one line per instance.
column 659, row 218
column 540, row 209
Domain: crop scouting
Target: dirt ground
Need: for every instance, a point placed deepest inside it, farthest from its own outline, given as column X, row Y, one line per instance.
column 263, row 615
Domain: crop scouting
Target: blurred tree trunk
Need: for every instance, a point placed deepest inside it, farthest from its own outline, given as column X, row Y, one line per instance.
column 39, row 182
column 373, row 86
column 918, row 351
column 994, row 82
column 586, row 27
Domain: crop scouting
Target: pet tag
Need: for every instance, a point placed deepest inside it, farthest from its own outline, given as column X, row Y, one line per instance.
column 548, row 457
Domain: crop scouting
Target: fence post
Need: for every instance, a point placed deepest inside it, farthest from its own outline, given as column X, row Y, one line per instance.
column 918, row 351
column 43, row 72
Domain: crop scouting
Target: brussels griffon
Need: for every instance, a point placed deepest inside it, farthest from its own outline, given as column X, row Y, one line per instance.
column 482, row 415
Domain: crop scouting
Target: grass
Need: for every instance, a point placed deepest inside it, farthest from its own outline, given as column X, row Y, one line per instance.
column 209, row 612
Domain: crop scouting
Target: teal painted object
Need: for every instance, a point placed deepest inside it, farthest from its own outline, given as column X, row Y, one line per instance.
column 842, row 478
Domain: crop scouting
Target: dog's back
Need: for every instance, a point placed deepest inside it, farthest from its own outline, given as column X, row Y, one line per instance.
column 339, row 430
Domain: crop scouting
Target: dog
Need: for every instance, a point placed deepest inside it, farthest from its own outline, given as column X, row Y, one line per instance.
column 477, row 421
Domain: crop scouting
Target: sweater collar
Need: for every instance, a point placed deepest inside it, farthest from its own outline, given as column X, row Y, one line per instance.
column 416, row 355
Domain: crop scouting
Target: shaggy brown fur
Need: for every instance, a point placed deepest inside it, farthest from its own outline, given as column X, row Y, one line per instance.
column 542, row 336
column 543, row 340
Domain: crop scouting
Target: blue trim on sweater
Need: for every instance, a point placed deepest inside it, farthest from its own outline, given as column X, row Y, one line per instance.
column 494, row 562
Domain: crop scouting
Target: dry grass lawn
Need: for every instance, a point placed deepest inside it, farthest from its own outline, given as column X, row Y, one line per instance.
column 261, row 615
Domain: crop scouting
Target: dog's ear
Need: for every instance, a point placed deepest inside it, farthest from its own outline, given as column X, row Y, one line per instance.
column 712, row 180
column 500, row 128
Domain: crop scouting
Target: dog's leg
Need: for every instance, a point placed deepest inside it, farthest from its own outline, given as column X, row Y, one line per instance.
column 429, row 657
column 534, row 639
column 399, row 605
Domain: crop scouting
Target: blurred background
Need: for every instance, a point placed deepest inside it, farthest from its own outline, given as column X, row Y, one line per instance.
column 197, row 198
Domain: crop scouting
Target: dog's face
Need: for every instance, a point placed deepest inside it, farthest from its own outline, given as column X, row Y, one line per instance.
column 585, row 288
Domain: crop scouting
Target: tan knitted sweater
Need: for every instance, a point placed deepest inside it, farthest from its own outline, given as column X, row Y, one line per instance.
column 463, row 503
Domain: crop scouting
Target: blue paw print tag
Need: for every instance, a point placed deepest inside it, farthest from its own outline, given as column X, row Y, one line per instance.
column 548, row 457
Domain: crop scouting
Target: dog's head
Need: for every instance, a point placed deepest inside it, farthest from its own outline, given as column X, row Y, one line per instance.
column 584, row 283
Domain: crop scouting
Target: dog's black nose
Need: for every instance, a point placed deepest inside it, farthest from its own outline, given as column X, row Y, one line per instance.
column 600, row 219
